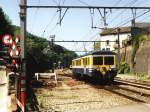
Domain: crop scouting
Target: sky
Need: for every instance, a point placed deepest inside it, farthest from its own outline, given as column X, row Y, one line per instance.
column 76, row 24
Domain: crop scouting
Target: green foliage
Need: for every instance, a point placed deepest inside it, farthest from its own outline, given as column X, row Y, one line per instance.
column 40, row 57
column 5, row 24
column 5, row 28
column 124, row 68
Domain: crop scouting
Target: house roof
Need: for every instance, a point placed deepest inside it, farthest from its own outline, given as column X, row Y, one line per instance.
column 143, row 25
column 110, row 31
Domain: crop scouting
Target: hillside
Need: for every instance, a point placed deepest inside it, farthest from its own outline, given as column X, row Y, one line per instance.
column 39, row 56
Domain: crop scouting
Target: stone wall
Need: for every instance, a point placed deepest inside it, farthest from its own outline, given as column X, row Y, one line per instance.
column 142, row 58
column 126, row 54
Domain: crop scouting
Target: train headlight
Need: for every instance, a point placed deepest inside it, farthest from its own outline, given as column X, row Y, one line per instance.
column 113, row 66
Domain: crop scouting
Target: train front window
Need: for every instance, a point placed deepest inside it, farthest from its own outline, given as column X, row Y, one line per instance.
column 109, row 60
column 97, row 60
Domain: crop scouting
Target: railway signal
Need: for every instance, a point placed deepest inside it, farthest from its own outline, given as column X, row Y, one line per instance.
column 4, row 54
column 9, row 51
column 7, row 39
column 14, row 51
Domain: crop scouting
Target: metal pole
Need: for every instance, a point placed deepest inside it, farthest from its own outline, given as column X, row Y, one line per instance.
column 94, row 46
column 23, row 53
column 52, row 37
column 118, row 31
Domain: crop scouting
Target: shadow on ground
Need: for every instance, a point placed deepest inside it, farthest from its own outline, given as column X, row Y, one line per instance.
column 32, row 104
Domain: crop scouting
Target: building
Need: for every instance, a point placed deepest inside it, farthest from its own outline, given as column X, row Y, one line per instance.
column 110, row 34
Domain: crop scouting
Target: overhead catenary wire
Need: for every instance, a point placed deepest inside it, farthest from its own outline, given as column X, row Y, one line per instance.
column 34, row 17
column 55, row 2
column 63, row 2
column 128, row 4
column 145, row 17
column 131, row 19
column 51, row 20
column 135, row 18
column 117, row 2
column 83, row 2
column 52, row 29
column 92, row 20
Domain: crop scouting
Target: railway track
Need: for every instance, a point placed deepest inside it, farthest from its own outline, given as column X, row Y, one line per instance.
column 135, row 84
column 138, row 92
column 135, row 91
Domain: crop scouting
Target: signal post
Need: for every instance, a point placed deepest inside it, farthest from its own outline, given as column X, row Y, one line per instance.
column 23, row 11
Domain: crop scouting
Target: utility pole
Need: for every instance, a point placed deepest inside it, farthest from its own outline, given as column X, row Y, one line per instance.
column 133, row 35
column 23, row 11
column 52, row 37
column 118, row 35
column 94, row 46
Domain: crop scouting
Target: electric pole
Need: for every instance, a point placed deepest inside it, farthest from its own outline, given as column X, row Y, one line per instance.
column 23, row 11
column 118, row 34
column 52, row 37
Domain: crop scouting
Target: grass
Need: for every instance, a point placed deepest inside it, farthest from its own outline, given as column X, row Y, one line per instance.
column 140, row 76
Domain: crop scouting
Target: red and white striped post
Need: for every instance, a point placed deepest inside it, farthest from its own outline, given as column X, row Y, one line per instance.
column 23, row 90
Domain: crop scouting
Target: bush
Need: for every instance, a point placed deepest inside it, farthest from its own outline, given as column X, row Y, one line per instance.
column 124, row 68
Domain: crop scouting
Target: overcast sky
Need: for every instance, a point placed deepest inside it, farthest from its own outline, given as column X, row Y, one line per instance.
column 76, row 24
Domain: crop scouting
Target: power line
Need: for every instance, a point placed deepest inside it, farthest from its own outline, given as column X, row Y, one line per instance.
column 89, row 7
column 141, row 2
column 117, row 2
column 52, row 19
column 83, row 2
column 55, row 2
column 130, row 4
column 145, row 17
column 131, row 19
column 135, row 18
column 63, row 2
column 34, row 17
column 52, row 29
column 59, row 2
column 91, row 39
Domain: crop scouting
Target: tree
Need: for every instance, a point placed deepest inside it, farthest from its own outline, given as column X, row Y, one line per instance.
column 5, row 28
column 5, row 24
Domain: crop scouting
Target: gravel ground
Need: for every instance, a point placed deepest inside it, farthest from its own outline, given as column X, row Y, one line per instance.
column 71, row 95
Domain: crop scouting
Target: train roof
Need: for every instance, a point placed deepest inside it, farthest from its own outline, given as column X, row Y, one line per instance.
column 101, row 53
column 98, row 53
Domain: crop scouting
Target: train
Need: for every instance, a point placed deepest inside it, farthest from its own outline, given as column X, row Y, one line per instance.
column 100, row 66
